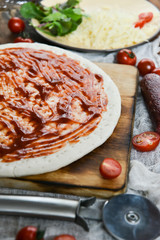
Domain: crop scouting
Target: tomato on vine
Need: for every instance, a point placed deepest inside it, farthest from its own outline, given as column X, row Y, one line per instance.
column 30, row 233
column 126, row 56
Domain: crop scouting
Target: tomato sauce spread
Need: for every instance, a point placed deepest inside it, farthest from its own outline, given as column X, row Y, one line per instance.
column 46, row 100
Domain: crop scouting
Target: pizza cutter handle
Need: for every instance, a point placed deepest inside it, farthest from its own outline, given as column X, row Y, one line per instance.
column 53, row 208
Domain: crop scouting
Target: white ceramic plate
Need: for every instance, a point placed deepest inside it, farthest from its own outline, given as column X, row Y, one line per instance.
column 131, row 7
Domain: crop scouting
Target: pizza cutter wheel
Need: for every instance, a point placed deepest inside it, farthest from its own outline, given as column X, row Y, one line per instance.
column 125, row 217
column 131, row 217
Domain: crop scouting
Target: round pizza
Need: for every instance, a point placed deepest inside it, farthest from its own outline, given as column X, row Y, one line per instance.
column 55, row 107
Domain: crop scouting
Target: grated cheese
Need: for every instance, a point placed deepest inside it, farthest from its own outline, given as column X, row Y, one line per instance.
column 110, row 29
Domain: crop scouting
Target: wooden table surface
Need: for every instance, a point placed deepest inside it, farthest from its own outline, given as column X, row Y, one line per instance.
column 82, row 177
column 156, row 3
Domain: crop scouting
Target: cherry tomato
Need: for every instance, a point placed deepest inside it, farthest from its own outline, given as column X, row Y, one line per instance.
column 110, row 168
column 156, row 71
column 140, row 23
column 146, row 141
column 16, row 25
column 64, row 237
column 30, row 233
column 21, row 39
column 146, row 15
column 126, row 56
column 145, row 66
column 143, row 19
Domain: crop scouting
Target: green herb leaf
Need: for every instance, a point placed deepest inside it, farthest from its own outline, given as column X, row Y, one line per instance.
column 66, row 25
column 47, row 10
column 56, row 21
column 40, row 234
column 72, row 3
column 57, row 16
column 75, row 13
column 30, row 10
column 68, row 4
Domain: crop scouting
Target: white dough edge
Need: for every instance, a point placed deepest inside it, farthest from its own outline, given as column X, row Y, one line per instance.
column 71, row 152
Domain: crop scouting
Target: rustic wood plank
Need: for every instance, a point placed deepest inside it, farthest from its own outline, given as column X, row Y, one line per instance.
column 82, row 177
column 156, row 3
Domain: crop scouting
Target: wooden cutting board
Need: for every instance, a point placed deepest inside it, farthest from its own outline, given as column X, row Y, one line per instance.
column 82, row 177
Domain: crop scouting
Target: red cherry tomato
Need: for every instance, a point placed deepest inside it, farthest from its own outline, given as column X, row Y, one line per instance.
column 147, row 16
column 126, row 56
column 140, row 23
column 143, row 19
column 145, row 66
column 156, row 71
column 64, row 237
column 29, row 233
column 16, row 25
column 110, row 168
column 146, row 141
column 21, row 39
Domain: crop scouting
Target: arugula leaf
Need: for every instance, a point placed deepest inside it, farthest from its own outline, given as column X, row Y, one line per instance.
column 68, row 4
column 72, row 3
column 30, row 10
column 47, row 10
column 75, row 14
column 66, row 27
column 58, row 20
column 54, row 17
column 61, row 29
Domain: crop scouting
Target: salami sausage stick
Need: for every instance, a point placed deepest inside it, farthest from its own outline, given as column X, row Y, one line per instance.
column 150, row 88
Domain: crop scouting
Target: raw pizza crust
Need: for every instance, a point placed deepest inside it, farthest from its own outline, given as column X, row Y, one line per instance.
column 71, row 152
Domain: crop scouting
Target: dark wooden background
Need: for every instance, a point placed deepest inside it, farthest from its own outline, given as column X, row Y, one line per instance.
column 156, row 3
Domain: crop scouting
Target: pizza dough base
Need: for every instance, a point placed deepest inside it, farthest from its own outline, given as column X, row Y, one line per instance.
column 71, row 152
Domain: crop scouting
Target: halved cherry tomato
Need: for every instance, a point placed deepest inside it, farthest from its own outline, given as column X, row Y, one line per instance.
column 140, row 23
column 146, row 141
column 21, row 39
column 126, row 56
column 16, row 25
column 143, row 19
column 145, row 66
column 30, row 233
column 146, row 15
column 64, row 237
column 110, row 168
column 156, row 71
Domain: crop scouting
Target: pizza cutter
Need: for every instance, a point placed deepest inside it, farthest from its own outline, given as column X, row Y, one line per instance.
column 131, row 217
column 126, row 216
